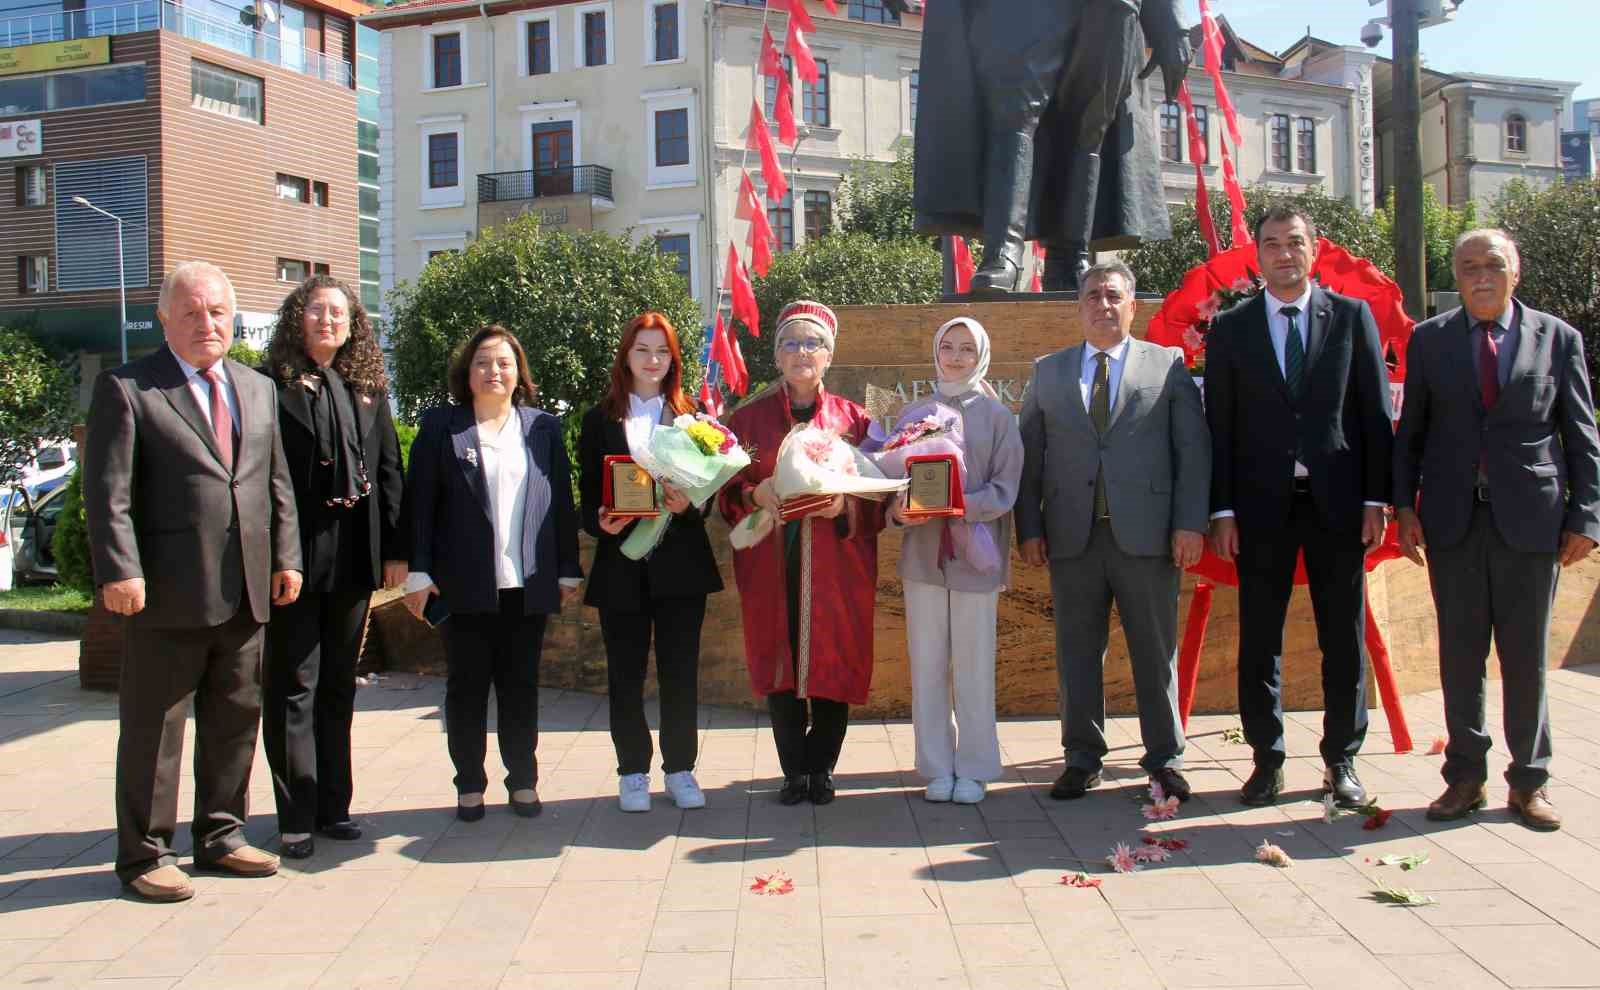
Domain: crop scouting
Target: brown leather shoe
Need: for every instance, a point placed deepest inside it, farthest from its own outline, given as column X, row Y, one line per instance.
column 1458, row 801
column 1533, row 809
column 164, row 884
column 246, row 861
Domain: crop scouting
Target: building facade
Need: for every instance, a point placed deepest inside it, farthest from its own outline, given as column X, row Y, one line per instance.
column 209, row 136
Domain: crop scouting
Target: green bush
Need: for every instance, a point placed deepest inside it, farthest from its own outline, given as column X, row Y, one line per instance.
column 38, row 401
column 246, row 355
column 875, row 198
column 407, row 434
column 1557, row 230
column 70, row 543
column 1441, row 225
column 566, row 296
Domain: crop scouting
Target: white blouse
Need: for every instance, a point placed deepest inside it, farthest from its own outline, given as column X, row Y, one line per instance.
column 505, row 470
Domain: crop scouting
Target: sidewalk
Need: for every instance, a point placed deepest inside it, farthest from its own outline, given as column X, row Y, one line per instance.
column 888, row 891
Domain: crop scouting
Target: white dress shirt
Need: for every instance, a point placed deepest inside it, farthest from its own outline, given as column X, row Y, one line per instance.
column 1116, row 361
column 200, row 388
column 644, row 415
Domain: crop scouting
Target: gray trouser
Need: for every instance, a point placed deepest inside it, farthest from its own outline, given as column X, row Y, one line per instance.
column 1481, row 587
column 1145, row 590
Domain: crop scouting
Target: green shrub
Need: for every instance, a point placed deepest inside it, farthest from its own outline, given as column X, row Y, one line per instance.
column 407, row 434
column 1557, row 230
column 70, row 543
column 38, row 401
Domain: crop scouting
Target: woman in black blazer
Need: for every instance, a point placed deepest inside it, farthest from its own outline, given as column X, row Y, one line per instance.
column 665, row 592
column 494, row 534
column 339, row 442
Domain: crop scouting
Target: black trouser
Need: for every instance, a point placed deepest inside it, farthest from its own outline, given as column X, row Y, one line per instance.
column 308, row 701
column 1481, row 587
column 677, row 623
column 801, row 751
column 1336, row 570
column 499, row 649
column 220, row 667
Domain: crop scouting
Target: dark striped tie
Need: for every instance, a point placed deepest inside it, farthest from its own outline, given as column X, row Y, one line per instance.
column 1100, row 416
column 1294, row 353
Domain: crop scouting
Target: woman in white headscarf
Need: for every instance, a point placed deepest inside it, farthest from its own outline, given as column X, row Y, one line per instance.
column 952, row 600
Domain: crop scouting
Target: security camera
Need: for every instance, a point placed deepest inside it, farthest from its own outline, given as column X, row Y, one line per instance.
column 1372, row 34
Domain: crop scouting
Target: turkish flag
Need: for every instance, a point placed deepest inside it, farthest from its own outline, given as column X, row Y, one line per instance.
column 725, row 351
column 1213, row 55
column 965, row 267
column 1038, row 267
column 709, row 400
column 833, row 8
column 771, row 61
column 1199, row 154
column 737, row 280
column 751, row 209
column 783, row 109
column 758, row 139
column 800, row 52
column 799, row 15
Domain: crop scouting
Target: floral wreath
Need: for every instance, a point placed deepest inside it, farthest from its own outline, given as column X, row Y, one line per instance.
column 1207, row 289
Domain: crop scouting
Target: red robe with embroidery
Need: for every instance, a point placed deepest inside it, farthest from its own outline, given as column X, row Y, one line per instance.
column 836, row 605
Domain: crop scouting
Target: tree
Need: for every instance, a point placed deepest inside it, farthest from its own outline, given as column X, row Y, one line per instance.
column 1441, row 225
column 70, row 542
column 1557, row 230
column 875, row 198
column 246, row 355
column 840, row 270
column 1161, row 265
column 38, row 401
column 565, row 296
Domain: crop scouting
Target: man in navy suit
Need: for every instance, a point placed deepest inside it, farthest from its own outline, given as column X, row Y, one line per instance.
column 1297, row 396
column 1498, row 434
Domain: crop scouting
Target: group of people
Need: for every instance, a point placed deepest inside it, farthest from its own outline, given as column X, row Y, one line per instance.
column 237, row 516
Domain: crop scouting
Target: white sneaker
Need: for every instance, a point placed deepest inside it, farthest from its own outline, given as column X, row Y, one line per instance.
column 633, row 792
column 939, row 789
column 685, row 790
column 968, row 791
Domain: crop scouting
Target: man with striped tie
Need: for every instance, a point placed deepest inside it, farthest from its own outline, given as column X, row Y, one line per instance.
column 1297, row 396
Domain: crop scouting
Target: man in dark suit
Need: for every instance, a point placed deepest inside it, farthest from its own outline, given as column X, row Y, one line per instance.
column 1498, row 433
column 1297, row 395
column 192, row 530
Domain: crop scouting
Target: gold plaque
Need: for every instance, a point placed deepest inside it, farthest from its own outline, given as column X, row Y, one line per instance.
column 629, row 489
column 935, row 488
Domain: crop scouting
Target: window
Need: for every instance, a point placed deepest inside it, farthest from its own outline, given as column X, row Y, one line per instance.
column 541, row 50
column 873, row 12
column 916, row 78
column 1171, row 137
column 219, row 90
column 30, row 185
column 33, row 274
column 444, row 165
column 664, row 30
column 446, row 60
column 780, row 213
column 814, row 98
column 1278, row 125
column 293, row 270
column 320, row 268
column 64, row 90
column 1202, row 121
column 672, row 137
column 819, row 215
column 292, row 187
column 1517, row 134
column 434, row 254
column 1305, row 133
column 319, row 193
column 676, row 245
column 85, row 255
column 594, row 38
column 770, row 102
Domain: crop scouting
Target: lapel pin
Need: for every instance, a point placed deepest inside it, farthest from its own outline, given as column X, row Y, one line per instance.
column 472, row 456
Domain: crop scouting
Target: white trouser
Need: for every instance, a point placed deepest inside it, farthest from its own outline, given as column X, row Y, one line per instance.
column 951, row 637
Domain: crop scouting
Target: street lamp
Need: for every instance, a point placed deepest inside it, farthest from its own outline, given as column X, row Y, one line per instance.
column 122, row 282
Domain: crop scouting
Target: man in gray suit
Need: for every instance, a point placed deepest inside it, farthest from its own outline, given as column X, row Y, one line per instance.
column 1115, row 480
column 1497, row 430
column 192, row 529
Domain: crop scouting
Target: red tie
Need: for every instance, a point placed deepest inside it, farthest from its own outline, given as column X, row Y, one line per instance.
column 1489, row 365
column 221, row 418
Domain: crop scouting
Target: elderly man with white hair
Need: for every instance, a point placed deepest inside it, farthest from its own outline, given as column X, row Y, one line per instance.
column 1497, row 434
column 192, row 532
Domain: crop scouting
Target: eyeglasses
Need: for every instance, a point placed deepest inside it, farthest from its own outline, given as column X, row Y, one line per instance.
column 809, row 345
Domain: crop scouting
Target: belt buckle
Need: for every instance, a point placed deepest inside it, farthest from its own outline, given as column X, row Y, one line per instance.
column 1480, row 493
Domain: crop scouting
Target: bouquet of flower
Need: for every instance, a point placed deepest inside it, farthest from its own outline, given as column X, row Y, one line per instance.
column 930, row 427
column 815, row 465
column 696, row 455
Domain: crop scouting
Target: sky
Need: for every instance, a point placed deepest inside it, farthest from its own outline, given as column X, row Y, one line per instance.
column 1544, row 39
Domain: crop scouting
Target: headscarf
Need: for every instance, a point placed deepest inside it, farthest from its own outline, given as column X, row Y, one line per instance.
column 960, row 387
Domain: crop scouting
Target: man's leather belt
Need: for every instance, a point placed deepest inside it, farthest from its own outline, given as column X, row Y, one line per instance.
column 1302, row 486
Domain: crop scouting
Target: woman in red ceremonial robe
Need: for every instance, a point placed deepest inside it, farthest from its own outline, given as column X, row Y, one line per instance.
column 818, row 574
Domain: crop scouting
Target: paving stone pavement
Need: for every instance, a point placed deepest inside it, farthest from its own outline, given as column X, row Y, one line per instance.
column 886, row 887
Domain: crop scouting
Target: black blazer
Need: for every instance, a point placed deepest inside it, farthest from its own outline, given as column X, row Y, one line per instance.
column 379, row 512
column 160, row 504
column 1542, row 455
column 452, row 530
column 682, row 566
column 1342, row 419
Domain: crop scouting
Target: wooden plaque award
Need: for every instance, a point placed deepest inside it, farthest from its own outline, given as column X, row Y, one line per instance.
column 628, row 491
column 935, row 489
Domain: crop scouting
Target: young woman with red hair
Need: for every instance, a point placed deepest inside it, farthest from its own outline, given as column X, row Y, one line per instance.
column 664, row 594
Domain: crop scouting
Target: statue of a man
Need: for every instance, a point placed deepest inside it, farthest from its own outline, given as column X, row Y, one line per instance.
column 1029, row 128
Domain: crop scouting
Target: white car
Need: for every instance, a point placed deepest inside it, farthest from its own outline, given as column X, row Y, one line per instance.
column 54, row 461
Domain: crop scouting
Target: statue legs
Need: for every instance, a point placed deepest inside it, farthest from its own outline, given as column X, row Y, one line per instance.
column 1007, row 180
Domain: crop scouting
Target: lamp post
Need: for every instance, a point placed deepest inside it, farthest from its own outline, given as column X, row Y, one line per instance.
column 122, row 282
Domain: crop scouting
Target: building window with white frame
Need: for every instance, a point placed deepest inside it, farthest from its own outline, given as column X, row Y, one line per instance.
column 1202, row 123
column 677, row 247
column 665, row 41
column 293, row 270
column 770, row 100
column 31, row 186
column 33, row 274
column 224, row 91
column 446, row 59
column 594, row 37
column 1517, row 134
column 814, row 97
column 294, row 188
column 541, row 44
column 1305, row 135
column 1171, row 133
column 671, row 137
column 819, row 214
column 780, row 213
column 1281, row 153
column 873, row 12
column 444, row 165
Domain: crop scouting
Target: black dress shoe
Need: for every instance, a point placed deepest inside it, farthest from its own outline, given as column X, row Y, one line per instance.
column 472, row 814
column 1341, row 781
column 1262, row 788
column 298, row 850
column 822, row 787
column 345, row 831
column 795, row 789
column 527, row 809
column 1074, row 783
column 1172, row 783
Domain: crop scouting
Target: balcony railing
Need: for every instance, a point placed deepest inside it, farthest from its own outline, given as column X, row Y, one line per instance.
column 540, row 183
column 148, row 15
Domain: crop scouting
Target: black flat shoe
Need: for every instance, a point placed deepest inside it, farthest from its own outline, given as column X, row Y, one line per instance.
column 298, row 850
column 1341, row 781
column 472, row 814
column 822, row 788
column 527, row 809
column 795, row 790
column 1172, row 783
column 1074, row 783
column 345, row 831
column 1262, row 788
